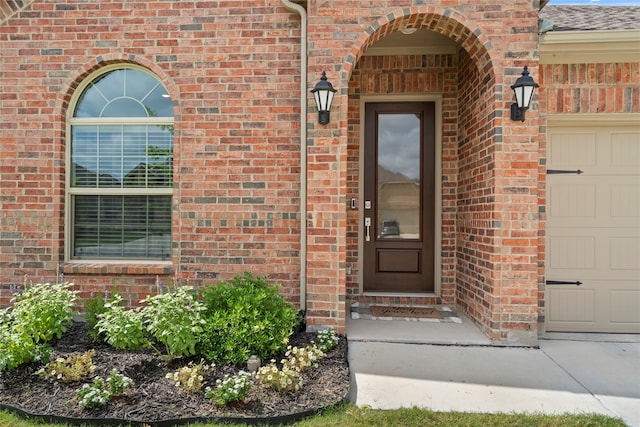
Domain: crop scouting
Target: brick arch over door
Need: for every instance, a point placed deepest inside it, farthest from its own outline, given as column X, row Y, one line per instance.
column 468, row 200
column 447, row 22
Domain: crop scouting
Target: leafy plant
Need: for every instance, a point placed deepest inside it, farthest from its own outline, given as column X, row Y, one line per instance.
column 44, row 311
column 190, row 378
column 230, row 389
column 41, row 312
column 71, row 369
column 93, row 308
column 123, row 329
column 244, row 317
column 327, row 339
column 175, row 319
column 17, row 347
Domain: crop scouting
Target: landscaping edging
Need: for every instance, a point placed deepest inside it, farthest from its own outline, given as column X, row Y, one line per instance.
column 275, row 420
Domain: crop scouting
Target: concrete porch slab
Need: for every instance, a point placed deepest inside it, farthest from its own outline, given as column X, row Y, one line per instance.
column 454, row 367
column 399, row 331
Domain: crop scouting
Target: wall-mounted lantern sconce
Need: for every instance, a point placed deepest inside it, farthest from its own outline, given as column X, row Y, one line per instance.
column 523, row 88
column 323, row 94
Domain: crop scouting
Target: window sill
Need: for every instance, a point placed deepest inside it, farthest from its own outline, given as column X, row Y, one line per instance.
column 121, row 268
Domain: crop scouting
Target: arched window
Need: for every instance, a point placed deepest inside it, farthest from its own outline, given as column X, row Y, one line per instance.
column 120, row 174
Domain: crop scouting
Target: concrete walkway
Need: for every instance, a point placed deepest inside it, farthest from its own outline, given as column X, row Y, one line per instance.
column 454, row 367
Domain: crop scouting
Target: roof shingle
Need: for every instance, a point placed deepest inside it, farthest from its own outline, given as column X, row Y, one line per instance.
column 585, row 18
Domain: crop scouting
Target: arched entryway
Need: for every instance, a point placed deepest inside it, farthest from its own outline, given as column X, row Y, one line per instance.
column 435, row 73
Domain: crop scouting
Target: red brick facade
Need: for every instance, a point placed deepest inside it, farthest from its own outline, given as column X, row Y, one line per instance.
column 232, row 69
column 591, row 88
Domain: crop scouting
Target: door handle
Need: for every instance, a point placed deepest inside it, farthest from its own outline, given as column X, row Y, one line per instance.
column 367, row 229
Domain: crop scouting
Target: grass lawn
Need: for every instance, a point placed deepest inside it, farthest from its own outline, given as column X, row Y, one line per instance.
column 351, row 416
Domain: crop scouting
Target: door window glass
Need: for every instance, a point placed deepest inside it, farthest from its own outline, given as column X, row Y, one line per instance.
column 398, row 176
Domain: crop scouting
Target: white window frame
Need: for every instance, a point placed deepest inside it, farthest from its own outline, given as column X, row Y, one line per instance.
column 70, row 191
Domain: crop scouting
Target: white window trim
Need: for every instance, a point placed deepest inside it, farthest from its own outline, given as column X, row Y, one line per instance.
column 72, row 191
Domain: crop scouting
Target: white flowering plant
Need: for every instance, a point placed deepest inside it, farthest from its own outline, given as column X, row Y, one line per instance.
column 70, row 369
column 118, row 383
column 301, row 359
column 98, row 393
column 93, row 395
column 190, row 378
column 327, row 339
column 230, row 389
column 282, row 380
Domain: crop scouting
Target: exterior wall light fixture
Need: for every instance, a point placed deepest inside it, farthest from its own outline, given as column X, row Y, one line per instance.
column 323, row 93
column 523, row 88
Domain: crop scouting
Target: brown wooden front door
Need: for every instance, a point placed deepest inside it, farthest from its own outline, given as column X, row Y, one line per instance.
column 399, row 188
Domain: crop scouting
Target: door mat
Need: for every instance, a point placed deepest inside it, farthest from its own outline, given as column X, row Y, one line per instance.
column 431, row 313
column 394, row 311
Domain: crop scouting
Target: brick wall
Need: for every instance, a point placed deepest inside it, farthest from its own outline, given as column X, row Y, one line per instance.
column 232, row 69
column 590, row 88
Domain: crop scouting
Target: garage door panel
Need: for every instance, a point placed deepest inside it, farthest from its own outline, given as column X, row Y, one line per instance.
column 625, row 150
column 595, row 306
column 594, row 201
column 572, row 254
column 573, row 201
column 571, row 149
column 597, row 253
column 571, row 305
column 623, row 304
column 625, row 201
column 593, row 229
column 624, row 253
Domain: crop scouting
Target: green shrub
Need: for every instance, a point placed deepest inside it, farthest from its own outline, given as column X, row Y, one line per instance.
column 123, row 329
column 244, row 317
column 44, row 311
column 175, row 320
column 18, row 347
column 41, row 312
column 93, row 308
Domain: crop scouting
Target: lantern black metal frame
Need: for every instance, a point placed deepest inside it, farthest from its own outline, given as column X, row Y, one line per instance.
column 323, row 94
column 523, row 88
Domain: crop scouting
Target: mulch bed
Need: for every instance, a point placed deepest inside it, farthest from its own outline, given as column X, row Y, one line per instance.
column 154, row 399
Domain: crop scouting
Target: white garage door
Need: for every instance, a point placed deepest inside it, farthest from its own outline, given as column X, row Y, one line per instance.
column 593, row 229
